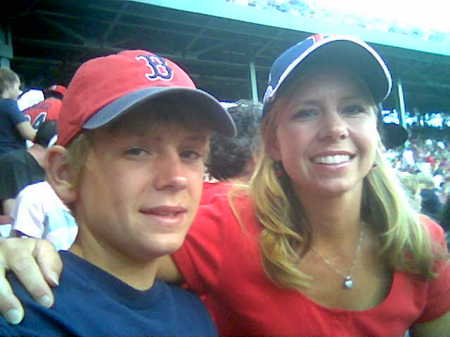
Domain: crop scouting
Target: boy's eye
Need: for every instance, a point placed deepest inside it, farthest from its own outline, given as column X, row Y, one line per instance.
column 191, row 155
column 353, row 109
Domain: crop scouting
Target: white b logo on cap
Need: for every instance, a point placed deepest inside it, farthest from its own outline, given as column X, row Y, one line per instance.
column 160, row 70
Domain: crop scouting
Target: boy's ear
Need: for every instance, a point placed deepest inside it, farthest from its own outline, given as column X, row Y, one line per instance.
column 59, row 173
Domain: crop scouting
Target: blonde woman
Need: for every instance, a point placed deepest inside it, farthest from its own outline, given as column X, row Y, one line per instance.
column 323, row 243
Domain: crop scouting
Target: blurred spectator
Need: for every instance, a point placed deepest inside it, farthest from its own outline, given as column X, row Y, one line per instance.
column 29, row 97
column 20, row 168
column 393, row 135
column 445, row 219
column 232, row 160
column 408, row 160
column 39, row 213
column 425, row 160
column 14, row 126
column 412, row 185
column 49, row 108
column 431, row 204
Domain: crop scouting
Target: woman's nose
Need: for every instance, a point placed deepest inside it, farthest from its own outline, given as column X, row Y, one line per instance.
column 333, row 126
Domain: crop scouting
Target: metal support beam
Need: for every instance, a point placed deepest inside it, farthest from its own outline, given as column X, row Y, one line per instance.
column 401, row 102
column 253, row 82
column 4, row 62
column 70, row 32
column 196, row 38
column 117, row 18
column 211, row 47
column 6, row 49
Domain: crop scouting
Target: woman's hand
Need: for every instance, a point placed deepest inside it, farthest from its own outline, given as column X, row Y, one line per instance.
column 36, row 264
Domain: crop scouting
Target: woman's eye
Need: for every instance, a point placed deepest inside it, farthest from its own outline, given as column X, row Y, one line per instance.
column 353, row 109
column 306, row 113
column 135, row 151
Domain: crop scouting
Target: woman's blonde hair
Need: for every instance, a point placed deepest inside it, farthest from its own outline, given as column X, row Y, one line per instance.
column 287, row 235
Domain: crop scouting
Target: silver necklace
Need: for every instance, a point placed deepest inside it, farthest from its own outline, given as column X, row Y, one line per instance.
column 348, row 279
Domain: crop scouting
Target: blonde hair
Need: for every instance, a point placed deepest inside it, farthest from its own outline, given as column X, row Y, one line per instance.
column 77, row 152
column 286, row 234
column 411, row 184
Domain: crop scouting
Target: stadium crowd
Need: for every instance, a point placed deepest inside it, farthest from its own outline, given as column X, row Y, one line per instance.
column 423, row 164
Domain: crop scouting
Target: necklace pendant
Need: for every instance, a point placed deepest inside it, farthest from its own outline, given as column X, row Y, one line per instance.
column 348, row 282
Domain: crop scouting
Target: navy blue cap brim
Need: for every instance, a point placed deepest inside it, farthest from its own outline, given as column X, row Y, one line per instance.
column 204, row 103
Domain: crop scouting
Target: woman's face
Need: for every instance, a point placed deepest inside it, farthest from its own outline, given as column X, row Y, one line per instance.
column 326, row 133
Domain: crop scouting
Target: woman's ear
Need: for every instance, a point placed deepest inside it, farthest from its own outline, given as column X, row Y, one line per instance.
column 271, row 145
column 59, row 173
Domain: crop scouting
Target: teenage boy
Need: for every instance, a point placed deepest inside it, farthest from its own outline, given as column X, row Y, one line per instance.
column 133, row 137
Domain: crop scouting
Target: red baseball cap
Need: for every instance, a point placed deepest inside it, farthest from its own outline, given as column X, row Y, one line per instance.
column 104, row 88
column 60, row 89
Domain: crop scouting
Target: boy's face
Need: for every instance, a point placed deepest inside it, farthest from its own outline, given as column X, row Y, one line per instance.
column 139, row 192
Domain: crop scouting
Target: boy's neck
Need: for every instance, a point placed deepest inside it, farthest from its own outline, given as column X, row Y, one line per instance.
column 140, row 276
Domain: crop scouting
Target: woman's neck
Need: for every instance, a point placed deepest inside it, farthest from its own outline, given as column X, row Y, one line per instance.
column 334, row 219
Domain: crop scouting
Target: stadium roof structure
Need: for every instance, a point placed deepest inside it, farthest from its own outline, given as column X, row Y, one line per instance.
column 50, row 38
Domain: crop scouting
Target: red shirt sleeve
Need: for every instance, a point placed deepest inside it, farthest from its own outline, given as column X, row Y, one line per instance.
column 216, row 240
column 200, row 257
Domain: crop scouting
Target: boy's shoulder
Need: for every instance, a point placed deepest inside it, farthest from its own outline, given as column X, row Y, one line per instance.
column 88, row 296
column 10, row 108
column 8, row 103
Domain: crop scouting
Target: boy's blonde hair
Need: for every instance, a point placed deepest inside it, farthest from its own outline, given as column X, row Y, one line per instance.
column 162, row 113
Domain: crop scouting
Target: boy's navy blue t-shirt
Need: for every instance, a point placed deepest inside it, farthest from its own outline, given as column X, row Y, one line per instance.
column 91, row 302
column 10, row 116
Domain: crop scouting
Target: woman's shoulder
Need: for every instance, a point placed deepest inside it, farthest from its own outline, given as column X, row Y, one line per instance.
column 229, row 200
column 232, row 210
column 436, row 231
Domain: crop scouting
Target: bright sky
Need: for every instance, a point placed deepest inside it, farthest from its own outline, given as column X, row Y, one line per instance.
column 427, row 14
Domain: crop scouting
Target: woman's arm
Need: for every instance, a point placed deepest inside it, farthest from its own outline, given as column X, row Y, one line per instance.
column 439, row 327
column 36, row 264
column 168, row 271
